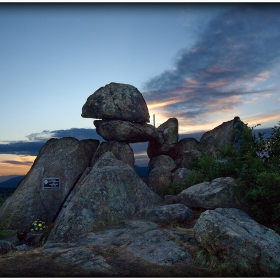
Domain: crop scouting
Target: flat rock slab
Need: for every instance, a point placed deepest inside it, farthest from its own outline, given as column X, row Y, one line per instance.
column 142, row 238
column 117, row 101
column 79, row 256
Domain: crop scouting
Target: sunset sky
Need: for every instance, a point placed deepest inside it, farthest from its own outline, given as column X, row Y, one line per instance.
column 201, row 63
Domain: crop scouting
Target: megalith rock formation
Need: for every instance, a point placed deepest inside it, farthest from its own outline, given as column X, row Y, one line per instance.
column 112, row 191
column 210, row 195
column 128, row 132
column 117, row 101
column 54, row 173
column 232, row 236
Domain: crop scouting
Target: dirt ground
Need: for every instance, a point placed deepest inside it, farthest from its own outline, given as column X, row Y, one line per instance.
column 35, row 263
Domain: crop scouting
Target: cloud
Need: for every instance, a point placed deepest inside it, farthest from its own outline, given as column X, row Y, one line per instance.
column 237, row 46
column 37, row 140
column 17, row 162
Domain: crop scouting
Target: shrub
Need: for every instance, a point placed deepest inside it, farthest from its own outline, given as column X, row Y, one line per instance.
column 256, row 166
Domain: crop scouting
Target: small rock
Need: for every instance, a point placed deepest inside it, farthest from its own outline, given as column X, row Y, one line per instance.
column 6, row 247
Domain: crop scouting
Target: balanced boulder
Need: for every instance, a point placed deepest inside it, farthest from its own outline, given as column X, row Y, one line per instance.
column 117, row 102
column 111, row 191
column 54, row 173
column 128, row 132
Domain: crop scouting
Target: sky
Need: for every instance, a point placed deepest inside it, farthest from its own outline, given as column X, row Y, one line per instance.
column 203, row 63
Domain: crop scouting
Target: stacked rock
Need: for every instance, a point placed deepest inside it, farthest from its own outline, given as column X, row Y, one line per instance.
column 123, row 113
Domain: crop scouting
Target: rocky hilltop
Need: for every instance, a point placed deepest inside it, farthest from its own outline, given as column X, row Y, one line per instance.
column 95, row 202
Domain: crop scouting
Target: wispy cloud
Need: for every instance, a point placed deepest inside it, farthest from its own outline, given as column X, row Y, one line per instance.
column 17, row 162
column 238, row 46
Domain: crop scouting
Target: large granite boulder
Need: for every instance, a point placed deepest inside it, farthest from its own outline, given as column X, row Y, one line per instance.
column 159, row 178
column 162, row 161
column 121, row 151
column 166, row 141
column 125, row 131
column 217, row 138
column 63, row 160
column 209, row 195
column 187, row 159
column 185, row 144
column 232, row 236
column 117, row 102
column 110, row 192
column 180, row 175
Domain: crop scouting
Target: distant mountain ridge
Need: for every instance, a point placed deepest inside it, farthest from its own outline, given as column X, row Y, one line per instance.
column 10, row 184
column 13, row 182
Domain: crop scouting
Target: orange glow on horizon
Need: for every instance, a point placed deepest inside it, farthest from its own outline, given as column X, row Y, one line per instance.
column 21, row 166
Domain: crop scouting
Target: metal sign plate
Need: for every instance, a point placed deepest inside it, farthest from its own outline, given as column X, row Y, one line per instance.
column 50, row 183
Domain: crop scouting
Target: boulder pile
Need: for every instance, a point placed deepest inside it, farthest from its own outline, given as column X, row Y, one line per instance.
column 91, row 195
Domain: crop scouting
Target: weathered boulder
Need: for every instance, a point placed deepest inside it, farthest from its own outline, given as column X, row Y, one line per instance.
column 210, row 195
column 159, row 178
column 144, row 239
column 121, row 151
column 117, row 101
column 76, row 255
column 162, row 161
column 111, row 191
column 217, row 138
column 167, row 140
column 232, row 236
column 169, row 213
column 186, row 159
column 6, row 246
column 64, row 159
column 180, row 175
column 125, row 131
column 185, row 144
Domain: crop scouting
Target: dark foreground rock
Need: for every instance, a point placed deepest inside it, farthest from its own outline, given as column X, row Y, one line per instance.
column 81, row 256
column 65, row 159
column 233, row 237
column 110, row 192
column 117, row 101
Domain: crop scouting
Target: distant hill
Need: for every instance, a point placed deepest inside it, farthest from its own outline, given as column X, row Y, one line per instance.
column 10, row 184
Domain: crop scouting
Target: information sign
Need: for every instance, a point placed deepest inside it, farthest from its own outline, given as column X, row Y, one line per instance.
column 50, row 183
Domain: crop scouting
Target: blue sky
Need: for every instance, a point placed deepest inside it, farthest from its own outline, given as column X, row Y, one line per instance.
column 201, row 63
